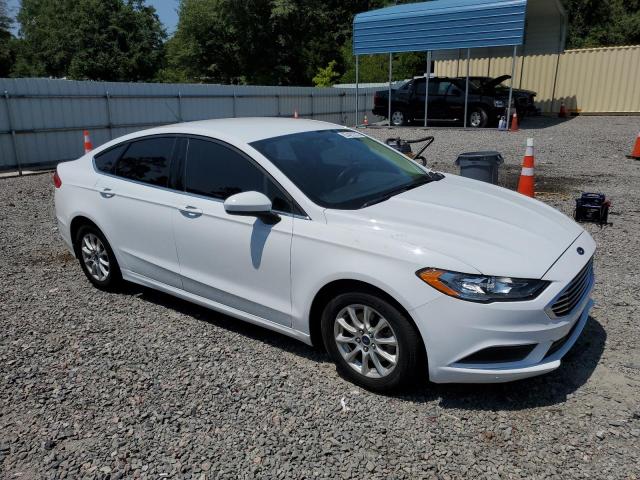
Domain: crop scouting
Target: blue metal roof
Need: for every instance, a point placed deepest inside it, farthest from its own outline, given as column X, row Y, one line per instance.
column 440, row 25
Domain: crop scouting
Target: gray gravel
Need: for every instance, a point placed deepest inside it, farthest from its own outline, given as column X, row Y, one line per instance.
column 137, row 384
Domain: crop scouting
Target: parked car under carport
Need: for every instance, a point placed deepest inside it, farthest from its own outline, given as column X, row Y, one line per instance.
column 487, row 102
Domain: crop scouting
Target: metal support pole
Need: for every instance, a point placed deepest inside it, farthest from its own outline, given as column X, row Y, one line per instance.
column 357, row 91
column 390, row 73
column 466, row 93
column 426, row 88
column 234, row 107
column 342, row 119
column 13, row 133
column 513, row 72
column 311, row 95
column 278, row 104
column 109, row 123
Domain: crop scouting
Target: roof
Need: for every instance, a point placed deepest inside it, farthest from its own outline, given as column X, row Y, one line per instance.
column 238, row 130
column 440, row 25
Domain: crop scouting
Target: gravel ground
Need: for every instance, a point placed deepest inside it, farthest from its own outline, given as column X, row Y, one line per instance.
column 137, row 384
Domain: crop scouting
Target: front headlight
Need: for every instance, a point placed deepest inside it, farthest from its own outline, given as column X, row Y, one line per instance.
column 482, row 288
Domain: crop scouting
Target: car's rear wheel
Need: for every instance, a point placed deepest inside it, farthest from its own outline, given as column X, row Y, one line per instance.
column 398, row 118
column 478, row 118
column 371, row 342
column 96, row 258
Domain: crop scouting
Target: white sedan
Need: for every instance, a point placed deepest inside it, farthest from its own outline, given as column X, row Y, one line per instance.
column 331, row 237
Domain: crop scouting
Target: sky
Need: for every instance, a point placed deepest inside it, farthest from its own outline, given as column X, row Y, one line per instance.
column 167, row 11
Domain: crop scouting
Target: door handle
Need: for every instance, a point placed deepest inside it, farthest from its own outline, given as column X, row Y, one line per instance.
column 190, row 211
column 107, row 193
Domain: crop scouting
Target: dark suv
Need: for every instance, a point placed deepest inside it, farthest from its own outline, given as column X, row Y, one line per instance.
column 487, row 101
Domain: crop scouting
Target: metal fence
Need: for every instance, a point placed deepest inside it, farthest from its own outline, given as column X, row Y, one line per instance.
column 41, row 120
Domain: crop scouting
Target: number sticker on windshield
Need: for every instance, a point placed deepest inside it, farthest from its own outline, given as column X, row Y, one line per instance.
column 351, row 134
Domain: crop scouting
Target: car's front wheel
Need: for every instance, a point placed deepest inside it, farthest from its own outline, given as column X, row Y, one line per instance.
column 478, row 118
column 372, row 343
column 398, row 118
column 96, row 258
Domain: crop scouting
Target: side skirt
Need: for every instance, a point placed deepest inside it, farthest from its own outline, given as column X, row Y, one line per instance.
column 218, row 307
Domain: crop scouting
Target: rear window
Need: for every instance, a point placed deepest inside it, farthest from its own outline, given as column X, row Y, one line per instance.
column 105, row 161
column 147, row 161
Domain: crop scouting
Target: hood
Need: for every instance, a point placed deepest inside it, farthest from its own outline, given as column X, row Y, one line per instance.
column 496, row 81
column 493, row 230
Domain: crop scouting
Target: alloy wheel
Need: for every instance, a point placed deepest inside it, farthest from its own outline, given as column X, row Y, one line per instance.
column 475, row 119
column 397, row 118
column 95, row 257
column 366, row 341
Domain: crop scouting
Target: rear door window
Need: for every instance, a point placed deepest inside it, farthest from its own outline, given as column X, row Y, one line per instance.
column 147, row 161
column 105, row 161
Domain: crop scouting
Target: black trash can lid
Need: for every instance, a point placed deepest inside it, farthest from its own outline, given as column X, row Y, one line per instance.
column 494, row 158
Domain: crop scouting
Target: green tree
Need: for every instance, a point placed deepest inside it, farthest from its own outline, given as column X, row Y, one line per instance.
column 326, row 76
column 89, row 39
column 6, row 41
column 277, row 42
column 600, row 23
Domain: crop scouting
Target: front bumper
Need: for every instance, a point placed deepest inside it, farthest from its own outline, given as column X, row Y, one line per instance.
column 455, row 331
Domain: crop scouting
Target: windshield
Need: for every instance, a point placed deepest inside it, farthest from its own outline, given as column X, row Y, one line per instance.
column 341, row 169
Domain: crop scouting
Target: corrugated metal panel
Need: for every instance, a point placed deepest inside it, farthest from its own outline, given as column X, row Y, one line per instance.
column 440, row 25
column 598, row 80
column 49, row 115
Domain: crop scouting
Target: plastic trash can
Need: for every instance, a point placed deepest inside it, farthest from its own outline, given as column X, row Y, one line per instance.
column 483, row 166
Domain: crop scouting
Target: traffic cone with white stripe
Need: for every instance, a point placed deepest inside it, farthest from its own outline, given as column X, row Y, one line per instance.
column 635, row 153
column 295, row 113
column 563, row 111
column 88, row 146
column 366, row 120
column 514, row 122
column 526, row 184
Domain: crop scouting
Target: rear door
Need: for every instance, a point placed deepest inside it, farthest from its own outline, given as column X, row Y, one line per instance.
column 437, row 103
column 137, row 205
column 454, row 99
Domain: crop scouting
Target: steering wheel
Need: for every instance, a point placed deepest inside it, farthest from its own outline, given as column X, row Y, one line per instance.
column 348, row 175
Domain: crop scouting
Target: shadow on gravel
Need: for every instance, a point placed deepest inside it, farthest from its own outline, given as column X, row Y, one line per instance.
column 553, row 388
column 550, row 389
column 536, row 123
column 227, row 322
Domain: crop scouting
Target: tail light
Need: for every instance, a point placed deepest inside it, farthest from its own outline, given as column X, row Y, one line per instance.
column 56, row 179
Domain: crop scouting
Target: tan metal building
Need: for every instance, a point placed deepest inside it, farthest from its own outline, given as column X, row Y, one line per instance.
column 588, row 81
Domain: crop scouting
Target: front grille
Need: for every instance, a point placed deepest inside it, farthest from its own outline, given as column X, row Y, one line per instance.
column 572, row 295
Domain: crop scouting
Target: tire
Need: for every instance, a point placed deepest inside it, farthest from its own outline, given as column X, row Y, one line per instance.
column 379, row 374
column 97, row 259
column 398, row 118
column 478, row 118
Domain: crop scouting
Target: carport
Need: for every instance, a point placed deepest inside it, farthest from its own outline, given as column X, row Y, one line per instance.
column 454, row 25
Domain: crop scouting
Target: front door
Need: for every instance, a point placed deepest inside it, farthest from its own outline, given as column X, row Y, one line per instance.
column 238, row 261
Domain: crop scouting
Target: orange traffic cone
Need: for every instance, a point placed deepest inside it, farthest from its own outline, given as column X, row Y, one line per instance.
column 526, row 184
column 88, row 146
column 563, row 111
column 514, row 122
column 635, row 153
column 366, row 121
column 295, row 113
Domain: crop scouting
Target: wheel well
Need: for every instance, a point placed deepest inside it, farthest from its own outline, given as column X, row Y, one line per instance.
column 331, row 290
column 76, row 223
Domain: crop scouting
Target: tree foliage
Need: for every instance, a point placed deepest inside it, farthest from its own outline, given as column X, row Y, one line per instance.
column 6, row 41
column 600, row 23
column 89, row 39
column 275, row 42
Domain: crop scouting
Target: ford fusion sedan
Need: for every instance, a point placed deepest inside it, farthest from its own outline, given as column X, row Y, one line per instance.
column 324, row 234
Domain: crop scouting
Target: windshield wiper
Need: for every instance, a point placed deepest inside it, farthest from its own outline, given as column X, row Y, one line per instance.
column 392, row 193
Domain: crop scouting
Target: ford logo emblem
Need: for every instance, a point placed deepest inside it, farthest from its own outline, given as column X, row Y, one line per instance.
column 580, row 251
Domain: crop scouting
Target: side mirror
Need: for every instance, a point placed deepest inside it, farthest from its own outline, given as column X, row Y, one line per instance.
column 253, row 204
